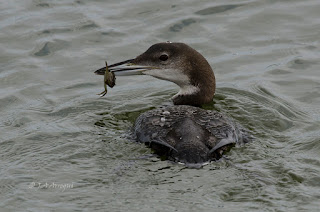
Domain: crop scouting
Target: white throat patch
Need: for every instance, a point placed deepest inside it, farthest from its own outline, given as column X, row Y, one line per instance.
column 177, row 77
column 187, row 90
column 172, row 75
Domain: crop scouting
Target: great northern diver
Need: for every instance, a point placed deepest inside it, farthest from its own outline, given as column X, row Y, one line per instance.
column 183, row 132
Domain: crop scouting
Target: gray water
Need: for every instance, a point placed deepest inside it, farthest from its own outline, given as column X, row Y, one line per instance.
column 62, row 148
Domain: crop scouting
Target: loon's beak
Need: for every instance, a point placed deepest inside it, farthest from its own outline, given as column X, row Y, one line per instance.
column 126, row 67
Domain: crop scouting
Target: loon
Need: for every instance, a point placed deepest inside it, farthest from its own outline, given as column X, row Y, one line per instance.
column 182, row 132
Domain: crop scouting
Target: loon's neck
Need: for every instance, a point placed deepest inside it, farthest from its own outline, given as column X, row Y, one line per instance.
column 200, row 88
column 196, row 95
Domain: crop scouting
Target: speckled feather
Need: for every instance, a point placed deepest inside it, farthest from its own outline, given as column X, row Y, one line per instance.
column 170, row 132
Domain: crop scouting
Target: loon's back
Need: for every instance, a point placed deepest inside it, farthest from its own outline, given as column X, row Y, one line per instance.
column 188, row 134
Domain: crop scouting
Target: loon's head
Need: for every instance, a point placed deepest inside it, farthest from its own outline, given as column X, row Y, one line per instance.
column 177, row 63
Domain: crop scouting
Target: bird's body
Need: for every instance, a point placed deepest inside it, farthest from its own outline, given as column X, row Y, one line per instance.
column 188, row 134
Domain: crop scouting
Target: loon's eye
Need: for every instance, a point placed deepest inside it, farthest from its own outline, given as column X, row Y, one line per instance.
column 164, row 57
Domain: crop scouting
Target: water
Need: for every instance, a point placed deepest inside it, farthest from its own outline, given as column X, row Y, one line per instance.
column 63, row 148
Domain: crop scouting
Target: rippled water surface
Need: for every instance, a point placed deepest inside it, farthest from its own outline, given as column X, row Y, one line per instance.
column 63, row 148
